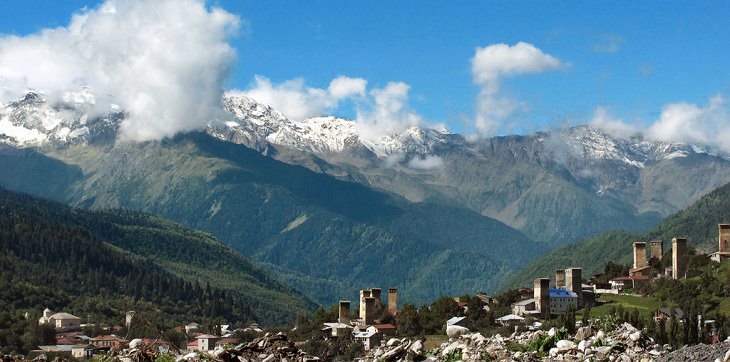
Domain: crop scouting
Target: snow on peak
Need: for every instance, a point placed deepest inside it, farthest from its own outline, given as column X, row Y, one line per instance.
column 319, row 134
column 591, row 143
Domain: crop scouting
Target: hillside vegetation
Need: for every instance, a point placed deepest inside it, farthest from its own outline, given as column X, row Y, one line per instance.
column 104, row 263
column 698, row 223
column 324, row 236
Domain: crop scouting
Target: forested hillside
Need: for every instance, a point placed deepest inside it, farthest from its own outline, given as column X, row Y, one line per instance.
column 104, row 263
column 698, row 223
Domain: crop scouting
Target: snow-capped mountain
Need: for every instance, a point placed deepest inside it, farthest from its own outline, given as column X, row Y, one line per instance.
column 255, row 121
column 34, row 120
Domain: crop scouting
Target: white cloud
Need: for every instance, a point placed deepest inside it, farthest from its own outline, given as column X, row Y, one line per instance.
column 163, row 61
column 601, row 119
column 429, row 162
column 386, row 112
column 492, row 63
column 346, row 87
column 707, row 125
column 297, row 100
column 610, row 44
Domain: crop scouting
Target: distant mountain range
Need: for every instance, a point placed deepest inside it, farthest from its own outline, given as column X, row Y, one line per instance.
column 325, row 236
column 425, row 210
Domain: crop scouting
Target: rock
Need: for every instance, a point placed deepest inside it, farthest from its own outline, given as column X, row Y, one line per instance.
column 635, row 336
column 583, row 333
column 552, row 332
column 135, row 343
column 727, row 356
column 554, row 351
column 456, row 331
column 393, row 342
column 565, row 345
column 416, row 348
column 583, row 345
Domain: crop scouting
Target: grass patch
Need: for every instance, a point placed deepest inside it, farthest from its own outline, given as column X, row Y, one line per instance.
column 645, row 305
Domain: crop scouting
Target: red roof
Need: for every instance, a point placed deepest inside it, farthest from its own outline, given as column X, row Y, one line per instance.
column 206, row 336
column 224, row 341
column 65, row 341
column 105, row 338
column 193, row 343
column 384, row 326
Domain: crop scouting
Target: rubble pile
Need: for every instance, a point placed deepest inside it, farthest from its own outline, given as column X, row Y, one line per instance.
column 719, row 352
column 624, row 343
column 397, row 350
column 269, row 348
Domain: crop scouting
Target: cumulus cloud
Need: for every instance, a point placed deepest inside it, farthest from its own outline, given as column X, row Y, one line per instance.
column 163, row 61
column 610, row 44
column 489, row 66
column 386, row 112
column 707, row 125
column 428, row 162
column 601, row 119
column 297, row 100
column 345, row 87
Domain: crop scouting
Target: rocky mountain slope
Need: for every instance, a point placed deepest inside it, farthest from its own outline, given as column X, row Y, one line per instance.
column 556, row 187
column 326, row 237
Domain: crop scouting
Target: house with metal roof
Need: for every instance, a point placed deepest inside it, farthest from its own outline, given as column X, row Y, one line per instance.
column 562, row 299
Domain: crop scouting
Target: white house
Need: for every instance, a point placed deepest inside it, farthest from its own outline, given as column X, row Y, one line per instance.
column 206, row 342
column 561, row 299
column 60, row 321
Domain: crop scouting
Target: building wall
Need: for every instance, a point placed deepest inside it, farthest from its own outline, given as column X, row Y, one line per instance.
column 560, row 278
column 574, row 282
column 393, row 301
column 657, row 249
column 541, row 291
column 560, row 304
column 724, row 237
column 639, row 255
column 679, row 258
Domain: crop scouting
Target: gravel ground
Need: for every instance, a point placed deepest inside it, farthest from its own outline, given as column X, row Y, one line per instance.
column 700, row 352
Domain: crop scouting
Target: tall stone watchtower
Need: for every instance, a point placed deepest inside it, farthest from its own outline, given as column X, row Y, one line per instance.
column 679, row 258
column 559, row 278
column 574, row 283
column 657, row 249
column 344, row 316
column 639, row 254
column 724, row 237
column 393, row 301
column 541, row 294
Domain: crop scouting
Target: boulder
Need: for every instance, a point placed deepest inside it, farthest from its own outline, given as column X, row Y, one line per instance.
column 456, row 331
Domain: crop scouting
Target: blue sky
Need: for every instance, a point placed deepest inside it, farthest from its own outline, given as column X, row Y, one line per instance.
column 633, row 58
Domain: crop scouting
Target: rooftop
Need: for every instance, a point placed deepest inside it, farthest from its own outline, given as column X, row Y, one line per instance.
column 525, row 302
column 562, row 293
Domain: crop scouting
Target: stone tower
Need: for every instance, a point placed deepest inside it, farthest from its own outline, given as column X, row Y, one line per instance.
column 541, row 290
column 559, row 278
column 657, row 249
column 393, row 301
column 364, row 293
column 375, row 293
column 679, row 258
column 128, row 319
column 724, row 238
column 639, row 255
column 574, row 283
column 369, row 317
column 344, row 316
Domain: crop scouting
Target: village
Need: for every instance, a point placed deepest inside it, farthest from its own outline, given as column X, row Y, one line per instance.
column 534, row 308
